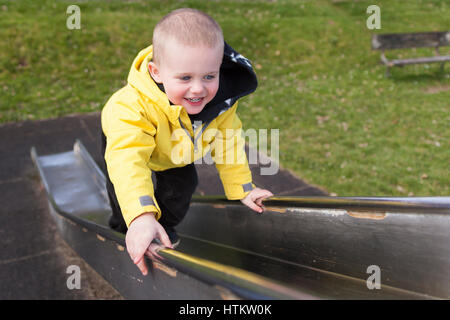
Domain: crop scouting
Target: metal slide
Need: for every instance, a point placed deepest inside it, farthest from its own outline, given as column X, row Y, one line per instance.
column 299, row 248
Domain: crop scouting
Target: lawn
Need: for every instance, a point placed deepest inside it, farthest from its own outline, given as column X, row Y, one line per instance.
column 343, row 125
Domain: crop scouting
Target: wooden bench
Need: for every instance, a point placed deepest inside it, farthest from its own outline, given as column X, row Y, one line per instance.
column 411, row 40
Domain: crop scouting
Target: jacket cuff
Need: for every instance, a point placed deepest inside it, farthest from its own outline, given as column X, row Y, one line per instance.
column 142, row 205
column 237, row 191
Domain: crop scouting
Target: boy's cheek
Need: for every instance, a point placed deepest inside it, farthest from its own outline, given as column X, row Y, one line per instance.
column 215, row 89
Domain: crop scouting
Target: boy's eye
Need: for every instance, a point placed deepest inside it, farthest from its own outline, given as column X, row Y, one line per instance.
column 209, row 77
column 185, row 78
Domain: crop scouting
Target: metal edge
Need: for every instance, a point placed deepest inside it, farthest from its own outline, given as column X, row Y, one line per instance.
column 242, row 282
column 395, row 204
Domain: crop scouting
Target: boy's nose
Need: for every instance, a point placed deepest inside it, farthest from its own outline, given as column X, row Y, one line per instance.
column 197, row 87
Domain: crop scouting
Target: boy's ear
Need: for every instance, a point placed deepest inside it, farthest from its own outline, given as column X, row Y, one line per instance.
column 154, row 71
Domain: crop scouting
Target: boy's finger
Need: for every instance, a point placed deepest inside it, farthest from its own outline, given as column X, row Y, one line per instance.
column 254, row 207
column 149, row 254
column 269, row 194
column 259, row 202
column 137, row 253
column 137, row 256
column 265, row 194
column 165, row 238
column 142, row 266
column 152, row 252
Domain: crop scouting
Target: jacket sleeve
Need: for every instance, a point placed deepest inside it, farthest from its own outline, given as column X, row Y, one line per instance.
column 228, row 152
column 129, row 145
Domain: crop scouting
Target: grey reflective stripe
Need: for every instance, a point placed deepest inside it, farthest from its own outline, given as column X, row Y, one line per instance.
column 247, row 187
column 146, row 201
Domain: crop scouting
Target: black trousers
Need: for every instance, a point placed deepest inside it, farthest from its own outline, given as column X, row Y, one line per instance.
column 173, row 192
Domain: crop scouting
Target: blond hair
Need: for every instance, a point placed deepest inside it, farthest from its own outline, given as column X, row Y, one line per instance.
column 189, row 27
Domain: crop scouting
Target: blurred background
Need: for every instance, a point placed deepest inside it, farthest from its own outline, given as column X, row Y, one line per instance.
column 344, row 125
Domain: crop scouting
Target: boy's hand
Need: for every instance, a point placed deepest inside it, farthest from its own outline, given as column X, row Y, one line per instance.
column 254, row 199
column 140, row 234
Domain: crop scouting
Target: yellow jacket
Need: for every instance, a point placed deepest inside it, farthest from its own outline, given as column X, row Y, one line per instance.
column 145, row 132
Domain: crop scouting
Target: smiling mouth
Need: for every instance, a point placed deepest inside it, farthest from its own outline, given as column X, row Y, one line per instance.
column 194, row 100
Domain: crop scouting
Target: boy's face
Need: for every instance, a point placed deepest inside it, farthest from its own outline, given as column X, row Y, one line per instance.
column 190, row 75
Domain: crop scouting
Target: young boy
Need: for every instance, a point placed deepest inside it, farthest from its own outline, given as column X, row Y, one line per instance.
column 180, row 102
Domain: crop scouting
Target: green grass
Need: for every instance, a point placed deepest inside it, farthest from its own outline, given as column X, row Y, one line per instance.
column 343, row 125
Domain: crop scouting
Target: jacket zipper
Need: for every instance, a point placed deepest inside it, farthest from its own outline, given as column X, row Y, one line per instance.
column 195, row 138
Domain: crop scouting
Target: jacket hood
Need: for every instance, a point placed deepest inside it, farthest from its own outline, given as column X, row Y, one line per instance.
column 237, row 79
